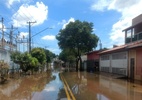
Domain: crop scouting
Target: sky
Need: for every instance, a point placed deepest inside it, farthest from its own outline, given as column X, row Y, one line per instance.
column 109, row 17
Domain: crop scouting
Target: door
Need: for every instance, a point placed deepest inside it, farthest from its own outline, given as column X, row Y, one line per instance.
column 132, row 65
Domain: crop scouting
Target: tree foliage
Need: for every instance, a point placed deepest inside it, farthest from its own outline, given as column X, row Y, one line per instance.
column 78, row 37
column 39, row 54
column 25, row 60
column 32, row 61
column 15, row 56
column 49, row 55
column 67, row 56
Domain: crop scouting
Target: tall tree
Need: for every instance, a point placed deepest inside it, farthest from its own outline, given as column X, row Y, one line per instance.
column 78, row 37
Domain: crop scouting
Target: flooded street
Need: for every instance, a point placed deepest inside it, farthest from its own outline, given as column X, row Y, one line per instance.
column 83, row 86
column 47, row 86
column 90, row 86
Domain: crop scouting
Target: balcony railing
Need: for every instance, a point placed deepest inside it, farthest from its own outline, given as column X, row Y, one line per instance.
column 134, row 38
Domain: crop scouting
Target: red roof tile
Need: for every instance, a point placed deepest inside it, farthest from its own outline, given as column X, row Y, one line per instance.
column 124, row 47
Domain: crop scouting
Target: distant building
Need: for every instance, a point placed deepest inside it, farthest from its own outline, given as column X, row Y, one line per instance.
column 93, row 61
column 84, row 62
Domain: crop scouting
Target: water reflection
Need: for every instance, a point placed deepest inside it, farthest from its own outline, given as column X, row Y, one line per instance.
column 46, row 86
column 89, row 86
column 51, row 90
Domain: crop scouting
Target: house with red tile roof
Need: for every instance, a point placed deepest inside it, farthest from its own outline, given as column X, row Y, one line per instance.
column 126, row 59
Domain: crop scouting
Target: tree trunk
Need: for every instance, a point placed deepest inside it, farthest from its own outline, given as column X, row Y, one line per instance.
column 81, row 69
column 76, row 65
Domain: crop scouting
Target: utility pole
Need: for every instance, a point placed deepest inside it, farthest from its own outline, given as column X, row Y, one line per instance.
column 2, row 39
column 30, row 35
column 11, row 38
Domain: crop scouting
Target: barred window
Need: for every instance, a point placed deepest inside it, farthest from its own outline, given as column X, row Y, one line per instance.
column 105, row 57
column 121, row 55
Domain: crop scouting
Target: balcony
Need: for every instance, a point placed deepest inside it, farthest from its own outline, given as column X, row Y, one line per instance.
column 134, row 38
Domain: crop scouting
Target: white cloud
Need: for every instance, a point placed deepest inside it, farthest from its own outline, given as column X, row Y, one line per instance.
column 23, row 35
column 128, row 10
column 10, row 2
column 37, row 12
column 49, row 37
column 67, row 22
column 120, row 5
column 55, row 50
column 1, row 27
column 62, row 22
column 100, row 5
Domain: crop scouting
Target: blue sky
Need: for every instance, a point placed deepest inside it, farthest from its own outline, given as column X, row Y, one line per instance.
column 109, row 17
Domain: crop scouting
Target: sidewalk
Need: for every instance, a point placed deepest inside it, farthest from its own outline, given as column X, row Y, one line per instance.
column 117, row 76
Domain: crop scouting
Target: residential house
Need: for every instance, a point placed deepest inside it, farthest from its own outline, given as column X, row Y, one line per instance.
column 126, row 59
column 133, row 40
column 114, row 60
column 93, row 61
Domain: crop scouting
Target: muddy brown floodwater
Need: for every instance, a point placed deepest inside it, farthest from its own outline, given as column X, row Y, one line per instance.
column 90, row 86
column 46, row 86
column 84, row 86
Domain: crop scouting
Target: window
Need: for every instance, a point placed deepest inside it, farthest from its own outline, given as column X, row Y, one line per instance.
column 105, row 57
column 117, row 56
column 129, row 33
column 128, row 36
column 140, row 36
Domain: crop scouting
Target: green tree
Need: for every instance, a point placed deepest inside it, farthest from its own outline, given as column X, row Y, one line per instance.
column 49, row 55
column 40, row 55
column 33, row 64
column 25, row 60
column 15, row 57
column 67, row 56
column 78, row 37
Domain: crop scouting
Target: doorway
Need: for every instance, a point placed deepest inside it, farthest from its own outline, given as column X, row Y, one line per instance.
column 132, row 66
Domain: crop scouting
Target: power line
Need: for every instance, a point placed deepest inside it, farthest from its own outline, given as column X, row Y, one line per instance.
column 41, row 31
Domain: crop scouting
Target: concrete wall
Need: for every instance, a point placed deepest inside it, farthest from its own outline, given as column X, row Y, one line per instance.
column 5, row 56
column 137, row 20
